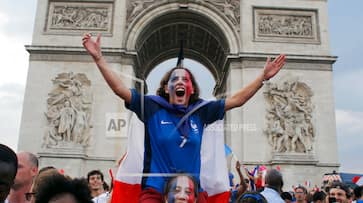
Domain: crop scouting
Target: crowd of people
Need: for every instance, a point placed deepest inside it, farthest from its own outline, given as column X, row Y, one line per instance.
column 272, row 190
column 21, row 181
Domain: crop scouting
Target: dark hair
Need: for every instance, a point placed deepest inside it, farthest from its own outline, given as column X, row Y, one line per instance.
column 105, row 186
column 94, row 172
column 251, row 197
column 286, row 196
column 57, row 184
column 341, row 186
column 319, row 195
column 358, row 191
column 165, row 79
column 302, row 188
column 168, row 185
column 8, row 156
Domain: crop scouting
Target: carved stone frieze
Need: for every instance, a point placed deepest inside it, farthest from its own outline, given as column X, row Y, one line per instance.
column 70, row 16
column 289, row 117
column 69, row 111
column 285, row 25
column 230, row 8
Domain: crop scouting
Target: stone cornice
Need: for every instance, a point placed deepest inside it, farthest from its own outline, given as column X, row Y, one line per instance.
column 73, row 50
column 75, row 53
column 75, row 155
column 326, row 59
column 77, row 50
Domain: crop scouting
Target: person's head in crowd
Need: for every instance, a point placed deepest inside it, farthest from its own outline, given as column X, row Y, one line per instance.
column 273, row 179
column 286, row 196
column 27, row 170
column 358, row 192
column 8, row 170
column 181, row 188
column 340, row 192
column 178, row 86
column 43, row 174
column 251, row 197
column 95, row 182
column 319, row 197
column 57, row 188
column 300, row 193
column 45, row 169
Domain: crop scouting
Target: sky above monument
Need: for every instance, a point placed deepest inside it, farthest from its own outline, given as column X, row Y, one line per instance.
column 346, row 42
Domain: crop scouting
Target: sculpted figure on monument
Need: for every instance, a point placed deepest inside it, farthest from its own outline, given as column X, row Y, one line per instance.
column 135, row 7
column 285, row 25
column 64, row 16
column 66, row 121
column 230, row 8
column 79, row 17
column 51, row 137
column 289, row 123
column 69, row 111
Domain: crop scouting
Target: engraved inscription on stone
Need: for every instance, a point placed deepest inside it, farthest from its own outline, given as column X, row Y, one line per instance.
column 69, row 111
column 289, row 117
column 230, row 9
column 66, row 16
column 285, row 25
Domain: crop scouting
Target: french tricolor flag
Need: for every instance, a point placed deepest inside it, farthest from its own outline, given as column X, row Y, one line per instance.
column 358, row 180
column 213, row 173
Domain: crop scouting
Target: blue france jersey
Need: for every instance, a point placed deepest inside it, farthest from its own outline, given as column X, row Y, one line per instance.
column 163, row 154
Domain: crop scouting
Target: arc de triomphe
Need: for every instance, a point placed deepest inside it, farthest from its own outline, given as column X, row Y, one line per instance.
column 72, row 120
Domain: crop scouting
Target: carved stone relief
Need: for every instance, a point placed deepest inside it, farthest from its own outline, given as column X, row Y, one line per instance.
column 285, row 25
column 69, row 111
column 230, row 8
column 289, row 117
column 135, row 7
column 66, row 16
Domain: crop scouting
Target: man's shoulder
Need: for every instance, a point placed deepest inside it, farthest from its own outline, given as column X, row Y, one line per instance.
column 102, row 198
column 271, row 195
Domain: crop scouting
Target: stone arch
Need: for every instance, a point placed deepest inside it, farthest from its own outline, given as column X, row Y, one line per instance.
column 209, row 38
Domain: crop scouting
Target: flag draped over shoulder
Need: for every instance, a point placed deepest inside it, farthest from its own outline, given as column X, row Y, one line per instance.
column 127, row 183
column 213, row 172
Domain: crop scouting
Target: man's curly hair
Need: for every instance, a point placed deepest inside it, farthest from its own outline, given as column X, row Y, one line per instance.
column 57, row 185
